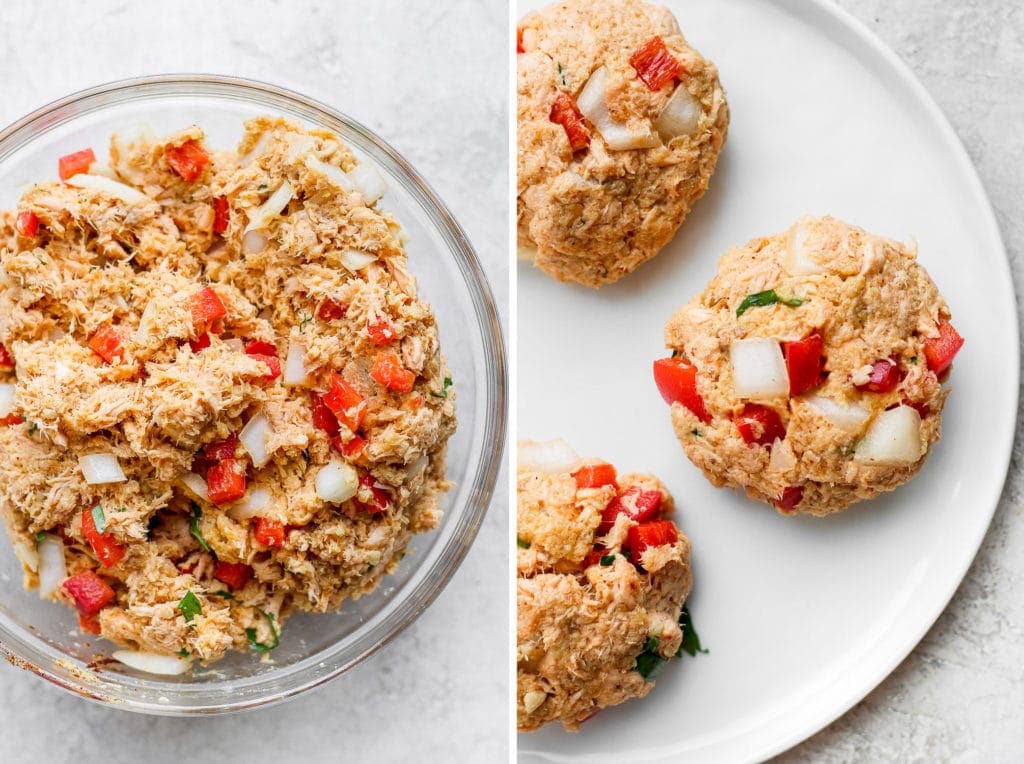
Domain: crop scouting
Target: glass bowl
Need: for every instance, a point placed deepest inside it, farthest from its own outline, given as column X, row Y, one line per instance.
column 43, row 637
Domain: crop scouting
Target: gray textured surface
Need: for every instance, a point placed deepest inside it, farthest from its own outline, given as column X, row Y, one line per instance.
column 960, row 694
column 431, row 79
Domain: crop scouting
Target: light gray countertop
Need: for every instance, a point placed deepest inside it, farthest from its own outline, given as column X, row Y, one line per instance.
column 960, row 694
column 431, row 78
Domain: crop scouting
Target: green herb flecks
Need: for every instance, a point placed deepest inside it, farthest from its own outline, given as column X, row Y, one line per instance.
column 762, row 299
column 193, row 528
column 260, row 647
column 913, row 360
column 649, row 663
column 696, row 433
column 563, row 83
column 190, row 606
column 183, row 653
column 607, row 559
column 32, row 428
column 302, row 323
column 99, row 519
column 225, row 595
column 444, row 389
column 40, row 537
column 691, row 642
column 522, row 543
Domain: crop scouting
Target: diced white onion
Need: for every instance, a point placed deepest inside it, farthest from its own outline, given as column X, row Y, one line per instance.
column 619, row 137
column 253, row 504
column 196, row 485
column 253, row 438
column 295, row 372
column 533, row 700
column 298, row 145
column 368, row 182
column 101, row 468
column 334, row 174
column 52, row 567
column 355, row 260
column 893, row 438
column 337, row 481
column 107, row 186
column 6, row 398
column 681, row 115
column 253, row 242
column 102, row 169
column 258, row 148
column 62, row 372
column 758, row 368
column 234, row 343
column 151, row 663
column 798, row 260
column 271, row 208
column 781, row 458
column 550, row 456
column 526, row 254
column 850, row 418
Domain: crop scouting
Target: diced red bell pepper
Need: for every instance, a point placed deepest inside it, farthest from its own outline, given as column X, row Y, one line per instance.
column 234, row 574
column 225, row 481
column 635, row 502
column 6, row 359
column 75, row 164
column 10, row 420
column 200, row 343
column 939, row 351
column 207, row 308
column 27, row 223
column 805, row 363
column 219, row 450
column 759, row 424
column 884, row 377
column 264, row 351
column 381, row 331
column 594, row 557
column 330, row 310
column 381, row 501
column 346, row 402
column 260, row 347
column 655, row 65
column 564, row 112
column 107, row 550
column 106, row 343
column 353, row 448
column 645, row 535
column 90, row 624
column 790, row 498
column 595, row 475
column 389, row 372
column 269, row 532
column 90, row 592
column 221, row 214
column 413, row 402
column 519, row 41
column 323, row 417
column 188, row 160
column 676, row 379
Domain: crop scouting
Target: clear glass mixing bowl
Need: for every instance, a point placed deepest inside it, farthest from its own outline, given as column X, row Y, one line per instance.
column 42, row 636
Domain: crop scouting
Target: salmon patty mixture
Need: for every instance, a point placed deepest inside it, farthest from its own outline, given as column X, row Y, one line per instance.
column 620, row 123
column 222, row 400
column 809, row 371
column 602, row 576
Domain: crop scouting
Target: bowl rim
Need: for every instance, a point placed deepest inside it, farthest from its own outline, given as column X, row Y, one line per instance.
column 14, row 648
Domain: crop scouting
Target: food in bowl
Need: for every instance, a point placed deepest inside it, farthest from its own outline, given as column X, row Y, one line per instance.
column 620, row 123
column 809, row 371
column 224, row 400
column 602, row 578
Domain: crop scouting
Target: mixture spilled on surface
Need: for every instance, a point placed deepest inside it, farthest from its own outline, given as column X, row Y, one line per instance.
column 222, row 400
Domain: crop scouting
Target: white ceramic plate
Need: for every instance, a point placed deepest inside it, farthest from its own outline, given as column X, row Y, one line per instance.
column 803, row 616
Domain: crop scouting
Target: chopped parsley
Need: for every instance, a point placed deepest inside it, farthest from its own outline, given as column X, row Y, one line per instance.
column 41, row 260
column 193, row 527
column 607, row 559
column 913, row 359
column 651, row 644
column 259, row 647
column 190, row 606
column 303, row 322
column 99, row 519
column 444, row 389
column 649, row 663
column 33, row 428
column 522, row 543
column 696, row 433
column 691, row 642
column 183, row 653
column 767, row 297
column 40, row 537
column 225, row 594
